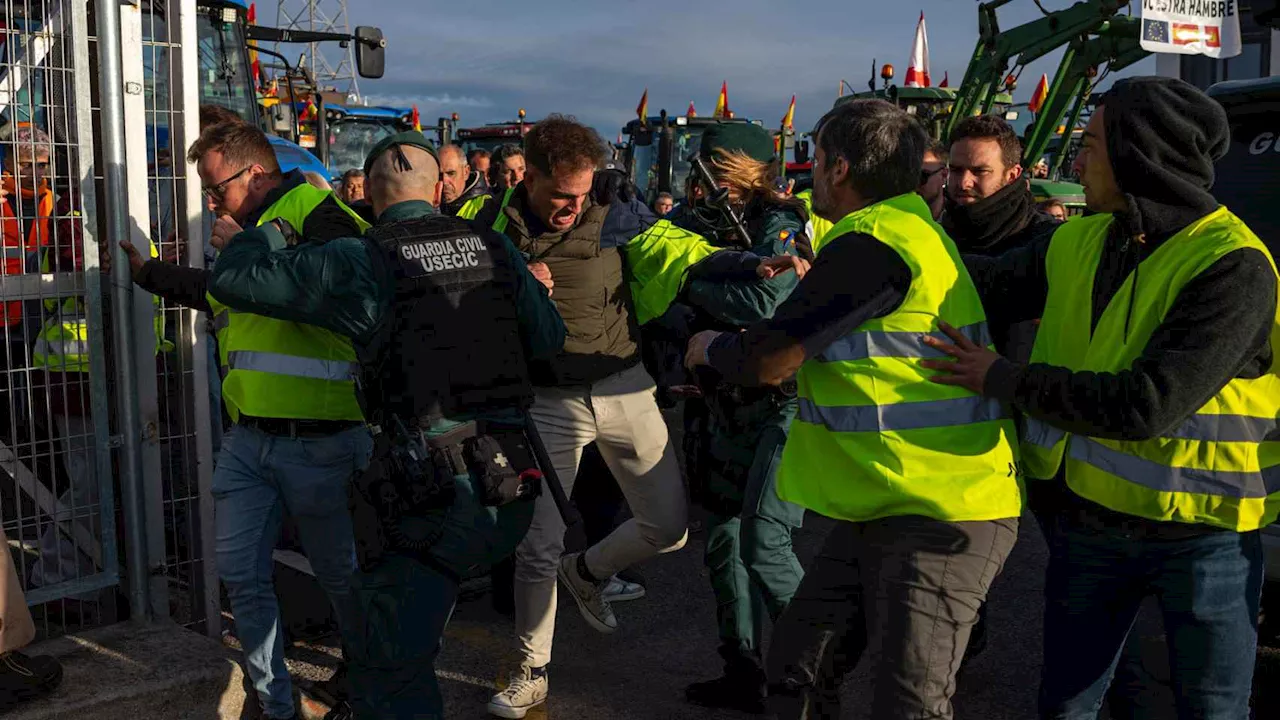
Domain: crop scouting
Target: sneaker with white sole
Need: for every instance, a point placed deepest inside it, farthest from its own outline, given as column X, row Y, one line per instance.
column 592, row 604
column 619, row 590
column 525, row 690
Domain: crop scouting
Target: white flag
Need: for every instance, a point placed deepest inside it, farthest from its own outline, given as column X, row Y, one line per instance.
column 918, row 70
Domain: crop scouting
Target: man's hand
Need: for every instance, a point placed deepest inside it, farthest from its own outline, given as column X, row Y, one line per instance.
column 771, row 267
column 136, row 261
column 542, row 274
column 224, row 228
column 696, row 354
column 972, row 361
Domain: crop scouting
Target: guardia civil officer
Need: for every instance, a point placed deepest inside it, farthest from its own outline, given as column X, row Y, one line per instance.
column 444, row 317
column 738, row 439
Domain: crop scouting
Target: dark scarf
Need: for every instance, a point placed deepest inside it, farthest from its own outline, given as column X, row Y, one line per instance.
column 986, row 226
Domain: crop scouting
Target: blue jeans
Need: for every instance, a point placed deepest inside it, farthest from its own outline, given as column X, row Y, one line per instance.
column 1208, row 588
column 259, row 477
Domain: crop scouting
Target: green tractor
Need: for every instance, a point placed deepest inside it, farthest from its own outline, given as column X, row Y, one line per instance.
column 656, row 151
column 1094, row 36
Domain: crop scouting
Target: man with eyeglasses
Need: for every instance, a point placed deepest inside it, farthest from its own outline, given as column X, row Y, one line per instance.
column 933, row 178
column 299, row 435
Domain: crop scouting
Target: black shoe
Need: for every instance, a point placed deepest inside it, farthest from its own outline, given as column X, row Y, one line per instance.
column 24, row 678
column 737, row 692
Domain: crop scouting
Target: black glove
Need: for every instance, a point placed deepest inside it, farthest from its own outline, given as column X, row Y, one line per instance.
column 612, row 183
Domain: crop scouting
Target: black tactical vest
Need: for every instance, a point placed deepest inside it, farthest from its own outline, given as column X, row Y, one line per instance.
column 450, row 347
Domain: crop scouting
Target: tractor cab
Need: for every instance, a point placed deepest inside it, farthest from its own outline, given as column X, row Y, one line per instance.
column 656, row 151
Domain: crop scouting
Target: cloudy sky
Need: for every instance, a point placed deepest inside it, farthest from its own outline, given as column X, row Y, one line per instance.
column 485, row 58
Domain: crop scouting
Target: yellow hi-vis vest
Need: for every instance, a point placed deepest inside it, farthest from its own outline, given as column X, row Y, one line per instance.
column 817, row 228
column 472, row 207
column 281, row 369
column 62, row 345
column 1219, row 467
column 873, row 436
column 500, row 222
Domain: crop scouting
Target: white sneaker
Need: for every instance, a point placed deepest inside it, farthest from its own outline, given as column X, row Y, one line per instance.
column 524, row 691
column 619, row 590
column 592, row 604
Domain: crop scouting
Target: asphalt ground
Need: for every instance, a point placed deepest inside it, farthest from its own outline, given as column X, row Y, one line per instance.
column 667, row 640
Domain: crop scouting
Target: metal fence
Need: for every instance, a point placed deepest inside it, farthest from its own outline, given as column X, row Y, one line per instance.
column 105, row 429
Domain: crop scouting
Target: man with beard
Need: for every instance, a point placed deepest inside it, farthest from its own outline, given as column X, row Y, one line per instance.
column 990, row 209
column 463, row 191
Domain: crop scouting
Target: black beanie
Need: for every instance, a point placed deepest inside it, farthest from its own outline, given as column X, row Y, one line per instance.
column 1163, row 136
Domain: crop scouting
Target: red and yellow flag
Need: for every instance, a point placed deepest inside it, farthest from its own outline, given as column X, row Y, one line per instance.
column 642, row 110
column 255, row 68
column 722, row 102
column 417, row 121
column 1038, row 97
column 691, row 112
column 788, row 120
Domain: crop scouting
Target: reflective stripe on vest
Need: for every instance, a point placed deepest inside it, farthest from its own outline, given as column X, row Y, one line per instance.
column 873, row 436
column 859, row 346
column 901, row 416
column 1221, row 465
column 62, row 345
column 282, row 369
column 500, row 222
column 292, row 365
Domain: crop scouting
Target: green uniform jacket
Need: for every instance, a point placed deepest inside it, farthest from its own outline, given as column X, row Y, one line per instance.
column 774, row 231
column 341, row 286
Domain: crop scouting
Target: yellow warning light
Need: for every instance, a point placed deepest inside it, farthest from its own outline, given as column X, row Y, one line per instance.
column 886, row 72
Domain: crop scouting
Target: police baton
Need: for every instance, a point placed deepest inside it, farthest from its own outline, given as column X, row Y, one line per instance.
column 568, row 512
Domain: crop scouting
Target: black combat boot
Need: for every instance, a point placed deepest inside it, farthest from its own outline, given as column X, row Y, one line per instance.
column 23, row 678
column 741, row 688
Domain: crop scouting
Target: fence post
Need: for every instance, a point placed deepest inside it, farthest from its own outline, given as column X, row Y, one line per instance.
column 115, row 205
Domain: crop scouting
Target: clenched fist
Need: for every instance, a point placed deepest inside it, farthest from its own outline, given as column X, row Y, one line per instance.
column 224, row 228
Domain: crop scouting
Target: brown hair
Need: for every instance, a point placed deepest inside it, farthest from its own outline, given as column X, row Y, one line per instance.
column 239, row 143
column 561, row 142
column 753, row 178
column 211, row 115
column 991, row 127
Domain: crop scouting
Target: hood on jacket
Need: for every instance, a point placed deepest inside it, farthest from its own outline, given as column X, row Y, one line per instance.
column 1163, row 136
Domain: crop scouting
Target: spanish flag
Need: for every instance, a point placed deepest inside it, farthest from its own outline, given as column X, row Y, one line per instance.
column 642, row 110
column 691, row 112
column 255, row 68
column 722, row 102
column 788, row 120
column 1038, row 97
column 417, row 121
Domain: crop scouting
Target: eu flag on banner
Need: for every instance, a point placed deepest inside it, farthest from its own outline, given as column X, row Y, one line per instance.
column 1155, row 31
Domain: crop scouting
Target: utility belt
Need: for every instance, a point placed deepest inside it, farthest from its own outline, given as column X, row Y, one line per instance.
column 291, row 428
column 413, row 476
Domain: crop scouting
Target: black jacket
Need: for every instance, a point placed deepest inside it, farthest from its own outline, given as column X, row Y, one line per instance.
column 1162, row 136
column 990, row 227
column 187, row 286
column 476, row 186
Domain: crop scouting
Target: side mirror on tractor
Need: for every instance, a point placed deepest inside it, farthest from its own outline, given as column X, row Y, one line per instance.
column 371, row 52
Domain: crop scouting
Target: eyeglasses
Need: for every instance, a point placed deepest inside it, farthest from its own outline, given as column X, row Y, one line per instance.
column 926, row 175
column 217, row 192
